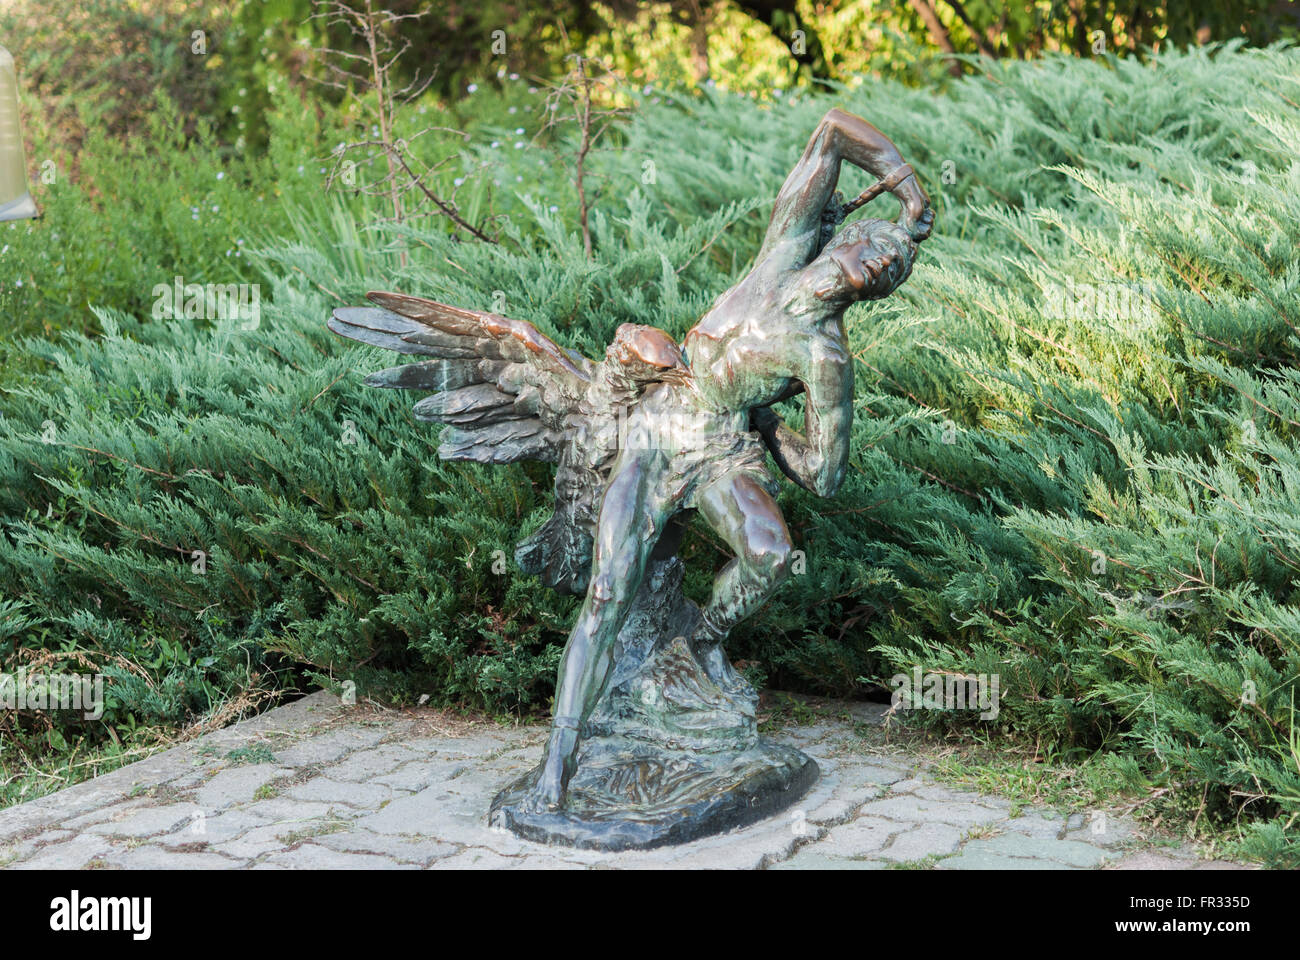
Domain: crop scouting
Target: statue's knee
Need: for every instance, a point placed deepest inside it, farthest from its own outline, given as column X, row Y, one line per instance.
column 610, row 591
column 771, row 564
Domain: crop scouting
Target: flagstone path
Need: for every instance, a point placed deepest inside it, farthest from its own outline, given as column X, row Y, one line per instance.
column 318, row 785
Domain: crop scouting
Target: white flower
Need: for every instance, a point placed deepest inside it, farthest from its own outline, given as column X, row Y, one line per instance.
column 519, row 130
column 495, row 144
column 458, row 181
column 553, row 208
column 513, row 110
column 514, row 76
column 472, row 87
column 519, row 144
column 221, row 174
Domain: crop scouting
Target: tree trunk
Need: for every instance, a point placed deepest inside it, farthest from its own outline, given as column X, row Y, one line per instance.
column 938, row 32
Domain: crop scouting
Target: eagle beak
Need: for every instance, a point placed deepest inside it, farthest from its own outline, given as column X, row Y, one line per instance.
column 679, row 375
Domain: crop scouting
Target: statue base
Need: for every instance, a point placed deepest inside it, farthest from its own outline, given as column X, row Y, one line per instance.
column 672, row 752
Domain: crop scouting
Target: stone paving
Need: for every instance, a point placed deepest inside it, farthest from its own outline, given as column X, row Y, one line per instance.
column 315, row 785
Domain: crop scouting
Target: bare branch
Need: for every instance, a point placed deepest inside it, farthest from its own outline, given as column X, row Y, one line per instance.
column 384, row 48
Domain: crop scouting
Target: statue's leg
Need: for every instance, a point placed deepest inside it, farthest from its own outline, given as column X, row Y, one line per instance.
column 745, row 515
column 631, row 520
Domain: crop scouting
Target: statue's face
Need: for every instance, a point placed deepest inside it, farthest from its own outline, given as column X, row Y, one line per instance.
column 866, row 263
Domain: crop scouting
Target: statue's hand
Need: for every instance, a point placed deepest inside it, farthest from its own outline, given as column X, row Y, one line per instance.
column 920, row 229
column 917, row 217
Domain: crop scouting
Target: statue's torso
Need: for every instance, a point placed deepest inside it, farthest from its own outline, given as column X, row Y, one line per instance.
column 761, row 335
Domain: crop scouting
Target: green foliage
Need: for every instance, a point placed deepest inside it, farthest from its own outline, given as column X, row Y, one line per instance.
column 98, row 63
column 1074, row 455
column 257, row 753
column 124, row 215
column 135, row 213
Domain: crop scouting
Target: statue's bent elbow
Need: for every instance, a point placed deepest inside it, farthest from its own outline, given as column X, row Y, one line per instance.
column 828, row 487
column 827, row 483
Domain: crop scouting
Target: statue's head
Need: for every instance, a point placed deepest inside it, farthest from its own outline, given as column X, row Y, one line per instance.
column 644, row 354
column 867, row 260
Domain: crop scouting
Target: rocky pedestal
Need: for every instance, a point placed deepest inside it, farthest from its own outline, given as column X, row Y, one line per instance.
column 672, row 752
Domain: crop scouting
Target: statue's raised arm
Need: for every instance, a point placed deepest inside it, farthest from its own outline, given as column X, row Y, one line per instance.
column 808, row 191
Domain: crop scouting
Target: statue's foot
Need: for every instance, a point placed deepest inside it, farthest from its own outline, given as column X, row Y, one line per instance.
column 557, row 770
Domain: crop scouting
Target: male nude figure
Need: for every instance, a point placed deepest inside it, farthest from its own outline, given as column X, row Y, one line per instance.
column 776, row 331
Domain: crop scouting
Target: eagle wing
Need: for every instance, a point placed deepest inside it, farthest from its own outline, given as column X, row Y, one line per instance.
column 506, row 392
column 504, row 388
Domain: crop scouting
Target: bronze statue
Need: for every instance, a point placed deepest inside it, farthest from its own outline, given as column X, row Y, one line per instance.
column 653, row 737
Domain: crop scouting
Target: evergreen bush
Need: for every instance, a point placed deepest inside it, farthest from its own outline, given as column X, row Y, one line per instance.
column 1074, row 457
